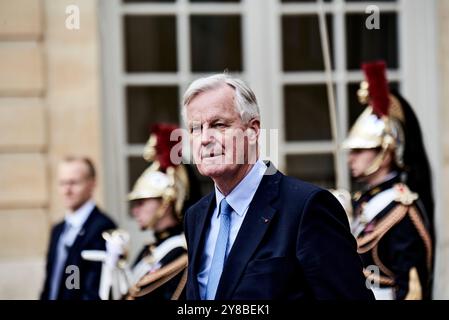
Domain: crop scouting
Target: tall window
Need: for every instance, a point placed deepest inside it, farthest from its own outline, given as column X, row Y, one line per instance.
column 309, row 149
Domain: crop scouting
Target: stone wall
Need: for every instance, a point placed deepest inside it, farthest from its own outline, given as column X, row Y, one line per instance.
column 49, row 107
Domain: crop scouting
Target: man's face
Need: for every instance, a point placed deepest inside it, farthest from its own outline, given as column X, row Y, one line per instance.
column 217, row 133
column 143, row 210
column 360, row 160
column 75, row 185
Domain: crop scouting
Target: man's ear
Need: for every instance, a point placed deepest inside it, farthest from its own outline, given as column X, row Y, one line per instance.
column 253, row 130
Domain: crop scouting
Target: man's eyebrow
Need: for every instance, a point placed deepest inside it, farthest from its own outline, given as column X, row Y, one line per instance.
column 217, row 118
column 207, row 121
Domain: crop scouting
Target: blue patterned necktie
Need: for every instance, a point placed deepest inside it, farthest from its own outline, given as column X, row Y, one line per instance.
column 219, row 258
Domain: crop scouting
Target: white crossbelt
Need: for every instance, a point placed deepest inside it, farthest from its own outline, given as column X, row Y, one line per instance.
column 378, row 203
column 144, row 266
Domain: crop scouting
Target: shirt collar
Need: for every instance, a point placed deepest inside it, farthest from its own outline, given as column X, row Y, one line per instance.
column 77, row 218
column 241, row 196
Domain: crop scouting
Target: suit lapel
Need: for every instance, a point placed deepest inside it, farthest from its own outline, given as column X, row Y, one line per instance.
column 82, row 234
column 254, row 226
column 201, row 219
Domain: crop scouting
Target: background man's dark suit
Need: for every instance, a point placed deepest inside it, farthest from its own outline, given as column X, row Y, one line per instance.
column 89, row 238
column 294, row 243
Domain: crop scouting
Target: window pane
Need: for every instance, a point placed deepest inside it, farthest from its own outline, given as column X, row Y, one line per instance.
column 150, row 43
column 216, row 43
column 306, row 113
column 355, row 108
column 317, row 169
column 147, row 106
column 363, row 44
column 301, row 46
column 136, row 165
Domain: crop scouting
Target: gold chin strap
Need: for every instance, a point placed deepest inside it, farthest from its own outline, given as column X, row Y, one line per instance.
column 376, row 163
column 161, row 211
column 387, row 143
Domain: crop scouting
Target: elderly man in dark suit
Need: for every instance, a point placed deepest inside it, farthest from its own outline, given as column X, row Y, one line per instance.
column 68, row 276
column 260, row 234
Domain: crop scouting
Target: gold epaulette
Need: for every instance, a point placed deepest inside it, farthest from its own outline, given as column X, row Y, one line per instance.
column 154, row 280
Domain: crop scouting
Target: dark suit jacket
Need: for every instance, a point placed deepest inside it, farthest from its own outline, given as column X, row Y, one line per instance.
column 294, row 243
column 89, row 238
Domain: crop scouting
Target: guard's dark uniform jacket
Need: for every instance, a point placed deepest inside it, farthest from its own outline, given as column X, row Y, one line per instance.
column 391, row 229
column 168, row 259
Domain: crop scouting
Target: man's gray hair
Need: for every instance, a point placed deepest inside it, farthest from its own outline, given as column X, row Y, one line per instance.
column 246, row 102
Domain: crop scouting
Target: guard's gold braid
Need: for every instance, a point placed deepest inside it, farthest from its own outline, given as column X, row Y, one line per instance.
column 378, row 262
column 165, row 270
column 154, row 280
column 153, row 286
column 397, row 214
column 422, row 231
column 367, row 247
column 383, row 227
column 181, row 285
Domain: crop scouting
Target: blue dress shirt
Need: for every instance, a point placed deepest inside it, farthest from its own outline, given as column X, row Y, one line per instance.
column 239, row 199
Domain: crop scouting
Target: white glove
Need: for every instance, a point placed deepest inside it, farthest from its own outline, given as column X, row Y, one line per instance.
column 114, row 278
column 116, row 245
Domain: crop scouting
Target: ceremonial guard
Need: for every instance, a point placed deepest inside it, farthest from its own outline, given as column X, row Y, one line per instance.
column 392, row 214
column 157, row 202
